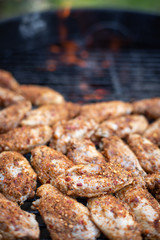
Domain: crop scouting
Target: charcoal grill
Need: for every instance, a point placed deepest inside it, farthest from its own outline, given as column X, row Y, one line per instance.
column 87, row 55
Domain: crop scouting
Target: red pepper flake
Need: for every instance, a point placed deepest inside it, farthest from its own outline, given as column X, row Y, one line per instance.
column 79, row 184
column 67, row 179
column 69, row 201
column 156, row 223
column 135, row 199
column 81, row 221
column 97, row 202
column 50, row 226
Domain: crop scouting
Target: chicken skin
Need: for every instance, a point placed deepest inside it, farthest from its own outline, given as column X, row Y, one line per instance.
column 8, row 81
column 122, row 126
column 8, row 97
column 153, row 132
column 16, row 223
column 105, row 110
column 48, row 163
column 45, row 115
column 84, row 152
column 93, row 180
column 78, row 128
column 145, row 208
column 147, row 153
column 39, row 95
column 116, row 151
column 65, row 218
column 113, row 218
column 11, row 116
column 153, row 184
column 17, row 178
column 149, row 107
column 73, row 109
column 23, row 139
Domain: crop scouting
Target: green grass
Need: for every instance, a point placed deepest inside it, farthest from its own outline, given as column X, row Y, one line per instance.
column 10, row 8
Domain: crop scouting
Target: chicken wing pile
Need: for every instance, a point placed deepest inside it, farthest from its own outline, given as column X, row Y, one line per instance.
column 98, row 165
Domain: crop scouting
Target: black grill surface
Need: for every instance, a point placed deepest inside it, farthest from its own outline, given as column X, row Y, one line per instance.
column 97, row 75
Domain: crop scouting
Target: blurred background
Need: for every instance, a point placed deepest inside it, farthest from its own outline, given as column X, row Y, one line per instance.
column 9, row 8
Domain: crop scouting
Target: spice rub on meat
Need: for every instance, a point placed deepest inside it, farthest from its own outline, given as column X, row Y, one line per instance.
column 16, row 223
column 46, row 115
column 39, row 95
column 17, row 178
column 105, row 110
column 8, row 81
column 153, row 132
column 147, row 153
column 23, row 139
column 11, row 116
column 149, row 107
column 153, row 184
column 65, row 217
column 48, row 163
column 8, row 97
column 93, row 180
column 77, row 128
column 122, row 126
column 145, row 209
column 112, row 217
column 117, row 152
column 84, row 152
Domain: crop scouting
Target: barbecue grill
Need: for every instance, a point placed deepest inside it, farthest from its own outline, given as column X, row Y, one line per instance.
column 87, row 55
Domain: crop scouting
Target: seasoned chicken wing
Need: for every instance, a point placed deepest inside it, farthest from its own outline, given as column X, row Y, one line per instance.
column 122, row 126
column 153, row 132
column 145, row 208
column 65, row 218
column 64, row 131
column 17, row 178
column 48, row 163
column 23, row 139
column 149, row 107
column 116, row 151
column 147, row 153
column 105, row 110
column 84, row 152
column 46, row 115
column 73, row 109
column 40, row 95
column 113, row 218
column 16, row 223
column 153, row 184
column 8, row 81
column 8, row 97
column 11, row 116
column 93, row 180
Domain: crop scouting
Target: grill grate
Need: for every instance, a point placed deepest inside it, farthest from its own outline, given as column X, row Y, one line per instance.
column 99, row 75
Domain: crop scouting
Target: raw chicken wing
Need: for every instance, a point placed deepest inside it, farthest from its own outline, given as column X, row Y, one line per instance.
column 17, row 178
column 48, row 163
column 153, row 184
column 65, row 218
column 153, row 132
column 8, row 97
column 93, row 180
column 113, row 218
column 8, row 81
column 16, row 223
column 23, row 139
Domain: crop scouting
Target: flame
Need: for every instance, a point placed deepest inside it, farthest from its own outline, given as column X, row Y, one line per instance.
column 64, row 13
column 51, row 65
